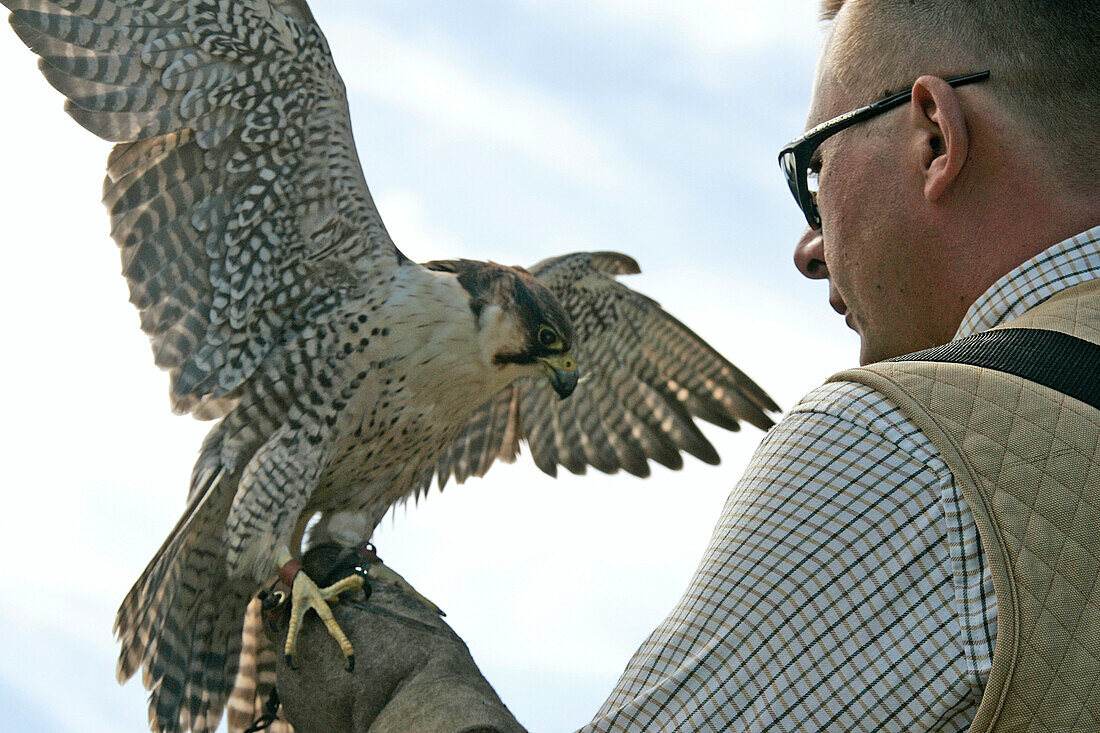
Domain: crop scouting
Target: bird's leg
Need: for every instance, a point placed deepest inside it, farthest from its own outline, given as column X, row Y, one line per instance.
column 304, row 595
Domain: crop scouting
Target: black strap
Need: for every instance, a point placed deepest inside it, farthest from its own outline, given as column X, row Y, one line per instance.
column 1051, row 358
column 270, row 714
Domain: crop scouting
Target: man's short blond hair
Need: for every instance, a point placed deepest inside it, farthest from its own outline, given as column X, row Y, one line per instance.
column 1043, row 55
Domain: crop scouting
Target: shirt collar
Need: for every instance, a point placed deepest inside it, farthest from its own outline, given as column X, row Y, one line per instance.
column 1070, row 262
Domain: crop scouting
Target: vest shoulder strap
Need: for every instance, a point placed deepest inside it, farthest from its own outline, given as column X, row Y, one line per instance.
column 1053, row 359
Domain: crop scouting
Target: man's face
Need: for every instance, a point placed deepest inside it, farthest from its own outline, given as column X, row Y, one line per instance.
column 885, row 276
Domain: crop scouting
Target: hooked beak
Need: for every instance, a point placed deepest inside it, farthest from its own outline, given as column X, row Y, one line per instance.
column 562, row 370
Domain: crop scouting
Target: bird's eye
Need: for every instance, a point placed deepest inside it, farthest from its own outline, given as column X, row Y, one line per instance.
column 547, row 337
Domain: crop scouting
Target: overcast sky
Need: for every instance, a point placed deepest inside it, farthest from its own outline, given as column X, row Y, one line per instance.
column 509, row 130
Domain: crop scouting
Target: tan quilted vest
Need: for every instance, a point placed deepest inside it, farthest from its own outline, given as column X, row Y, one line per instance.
column 1027, row 460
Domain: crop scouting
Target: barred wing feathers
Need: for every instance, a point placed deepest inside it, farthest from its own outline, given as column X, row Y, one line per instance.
column 235, row 192
column 645, row 377
column 492, row 433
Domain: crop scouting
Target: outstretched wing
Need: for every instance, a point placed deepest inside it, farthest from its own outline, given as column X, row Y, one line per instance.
column 645, row 377
column 235, row 192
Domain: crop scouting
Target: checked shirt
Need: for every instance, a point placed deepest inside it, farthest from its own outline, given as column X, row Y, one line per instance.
column 844, row 587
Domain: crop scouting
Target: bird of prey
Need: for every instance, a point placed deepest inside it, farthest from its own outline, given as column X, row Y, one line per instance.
column 344, row 376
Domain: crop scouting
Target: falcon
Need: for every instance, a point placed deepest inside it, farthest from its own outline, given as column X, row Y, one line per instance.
column 344, row 376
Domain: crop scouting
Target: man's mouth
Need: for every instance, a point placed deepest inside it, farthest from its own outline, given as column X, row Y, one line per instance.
column 841, row 307
column 837, row 304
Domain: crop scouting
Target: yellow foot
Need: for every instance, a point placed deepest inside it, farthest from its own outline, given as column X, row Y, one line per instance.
column 378, row 571
column 304, row 595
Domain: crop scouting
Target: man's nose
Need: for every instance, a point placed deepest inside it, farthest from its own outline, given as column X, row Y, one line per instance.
column 809, row 255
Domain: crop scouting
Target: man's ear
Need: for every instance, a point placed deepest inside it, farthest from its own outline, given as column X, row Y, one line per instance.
column 941, row 139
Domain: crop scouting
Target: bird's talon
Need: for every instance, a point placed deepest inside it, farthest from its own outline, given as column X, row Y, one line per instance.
column 271, row 600
column 270, row 603
column 306, row 595
column 351, row 663
column 290, row 662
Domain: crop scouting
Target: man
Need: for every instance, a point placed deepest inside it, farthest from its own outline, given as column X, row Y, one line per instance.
column 852, row 582
column 846, row 586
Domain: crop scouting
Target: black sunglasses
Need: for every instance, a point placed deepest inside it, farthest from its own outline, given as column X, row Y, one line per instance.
column 795, row 158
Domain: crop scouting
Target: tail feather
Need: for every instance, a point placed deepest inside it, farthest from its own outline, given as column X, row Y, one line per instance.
column 242, row 707
column 193, row 673
column 219, row 685
column 255, row 678
column 181, row 622
column 213, row 662
column 135, row 624
column 159, row 584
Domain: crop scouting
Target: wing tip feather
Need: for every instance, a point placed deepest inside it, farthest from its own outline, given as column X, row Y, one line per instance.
column 614, row 263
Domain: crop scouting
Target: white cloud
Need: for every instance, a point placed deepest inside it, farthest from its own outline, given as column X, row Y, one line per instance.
column 707, row 26
column 708, row 39
column 486, row 105
column 412, row 230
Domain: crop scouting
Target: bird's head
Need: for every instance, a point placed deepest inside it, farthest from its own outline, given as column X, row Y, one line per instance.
column 523, row 329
